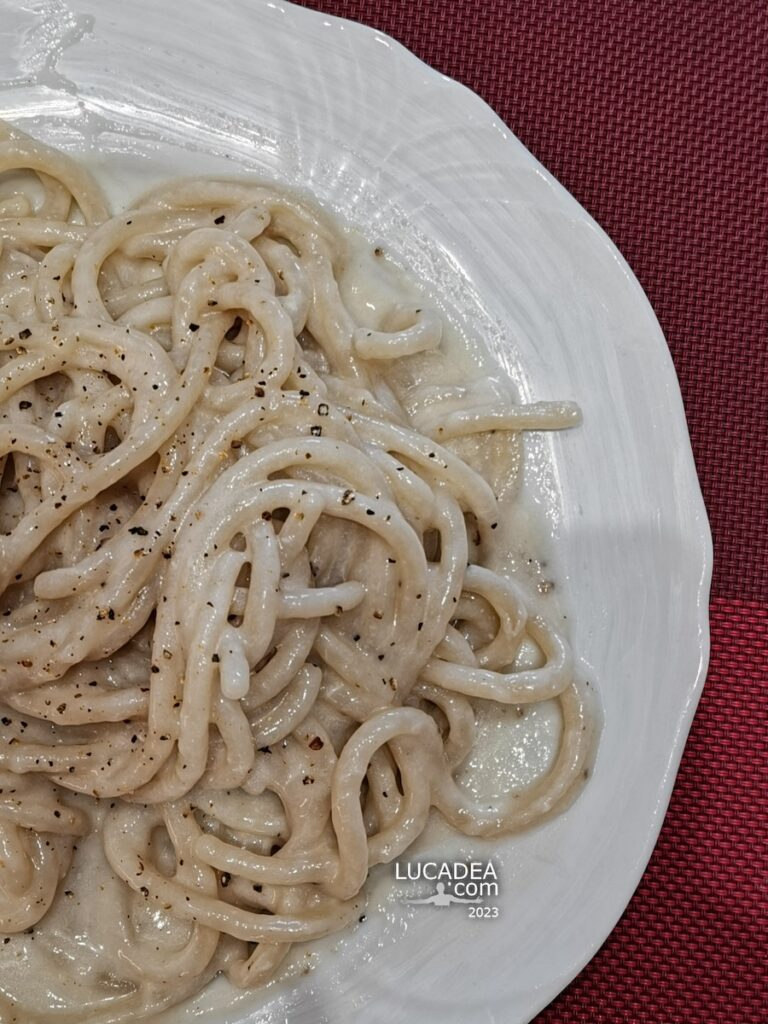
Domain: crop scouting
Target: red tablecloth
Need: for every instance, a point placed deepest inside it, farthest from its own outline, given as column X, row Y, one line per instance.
column 655, row 116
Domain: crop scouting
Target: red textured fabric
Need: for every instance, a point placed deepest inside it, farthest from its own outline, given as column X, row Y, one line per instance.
column 655, row 116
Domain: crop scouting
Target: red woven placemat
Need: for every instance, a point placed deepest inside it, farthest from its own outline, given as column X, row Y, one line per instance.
column 655, row 116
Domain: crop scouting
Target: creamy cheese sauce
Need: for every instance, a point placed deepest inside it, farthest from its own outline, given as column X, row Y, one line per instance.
column 403, row 390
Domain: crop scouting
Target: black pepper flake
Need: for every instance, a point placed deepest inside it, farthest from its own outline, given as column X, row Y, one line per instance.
column 25, row 405
column 322, row 409
column 234, row 330
column 26, row 333
column 219, row 220
column 316, row 431
column 215, row 659
column 316, row 743
column 194, row 327
column 139, row 531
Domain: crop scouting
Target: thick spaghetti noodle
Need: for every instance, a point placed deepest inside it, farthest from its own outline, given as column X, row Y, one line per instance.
column 247, row 611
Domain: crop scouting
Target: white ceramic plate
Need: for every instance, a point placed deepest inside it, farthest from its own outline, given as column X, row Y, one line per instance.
column 144, row 90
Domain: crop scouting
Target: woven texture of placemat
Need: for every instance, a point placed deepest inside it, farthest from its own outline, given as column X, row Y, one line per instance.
column 655, row 116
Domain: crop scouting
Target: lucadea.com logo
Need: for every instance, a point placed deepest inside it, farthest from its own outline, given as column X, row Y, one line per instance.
column 471, row 883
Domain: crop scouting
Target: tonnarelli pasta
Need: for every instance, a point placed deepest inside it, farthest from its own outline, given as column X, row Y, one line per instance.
column 247, row 606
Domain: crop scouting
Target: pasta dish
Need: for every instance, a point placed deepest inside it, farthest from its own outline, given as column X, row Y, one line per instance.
column 249, row 596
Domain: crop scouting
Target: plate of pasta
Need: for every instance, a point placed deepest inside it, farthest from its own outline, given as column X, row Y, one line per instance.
column 354, row 565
